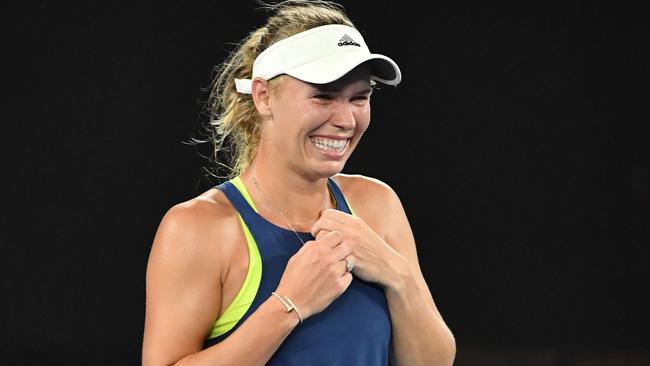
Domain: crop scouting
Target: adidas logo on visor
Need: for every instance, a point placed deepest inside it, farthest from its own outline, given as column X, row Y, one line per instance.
column 347, row 41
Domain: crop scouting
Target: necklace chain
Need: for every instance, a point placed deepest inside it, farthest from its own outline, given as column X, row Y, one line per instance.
column 275, row 208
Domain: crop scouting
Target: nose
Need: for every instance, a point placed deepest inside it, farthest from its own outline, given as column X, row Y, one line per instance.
column 343, row 115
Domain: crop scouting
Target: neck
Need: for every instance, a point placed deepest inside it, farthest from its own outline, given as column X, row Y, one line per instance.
column 282, row 192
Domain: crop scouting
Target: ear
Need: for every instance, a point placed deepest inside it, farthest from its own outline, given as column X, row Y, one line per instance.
column 261, row 93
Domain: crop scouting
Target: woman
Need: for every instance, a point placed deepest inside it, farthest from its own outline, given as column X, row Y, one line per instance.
column 291, row 262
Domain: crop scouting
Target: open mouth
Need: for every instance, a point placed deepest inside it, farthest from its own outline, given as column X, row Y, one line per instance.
column 330, row 146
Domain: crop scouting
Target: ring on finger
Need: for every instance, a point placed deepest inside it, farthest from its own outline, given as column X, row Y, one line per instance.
column 349, row 264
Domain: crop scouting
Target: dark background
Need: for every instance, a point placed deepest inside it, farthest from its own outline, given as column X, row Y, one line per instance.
column 516, row 141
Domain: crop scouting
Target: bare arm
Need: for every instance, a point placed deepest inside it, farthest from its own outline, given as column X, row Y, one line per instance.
column 420, row 335
column 184, row 279
column 387, row 252
column 184, row 297
column 253, row 343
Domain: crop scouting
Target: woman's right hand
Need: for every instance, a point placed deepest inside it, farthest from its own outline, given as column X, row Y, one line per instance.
column 316, row 275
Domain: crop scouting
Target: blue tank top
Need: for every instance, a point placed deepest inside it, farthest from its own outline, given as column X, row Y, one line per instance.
column 354, row 329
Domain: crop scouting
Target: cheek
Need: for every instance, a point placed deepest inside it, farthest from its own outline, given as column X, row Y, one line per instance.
column 291, row 117
column 363, row 120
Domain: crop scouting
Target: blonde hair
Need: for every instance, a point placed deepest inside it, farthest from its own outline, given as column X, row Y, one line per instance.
column 233, row 119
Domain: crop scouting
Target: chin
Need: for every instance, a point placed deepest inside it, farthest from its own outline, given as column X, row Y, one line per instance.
column 329, row 169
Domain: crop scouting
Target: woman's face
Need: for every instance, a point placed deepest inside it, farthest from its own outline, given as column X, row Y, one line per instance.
column 315, row 127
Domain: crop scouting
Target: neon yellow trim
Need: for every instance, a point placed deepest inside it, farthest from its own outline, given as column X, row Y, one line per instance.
column 251, row 285
column 350, row 207
column 246, row 294
column 242, row 188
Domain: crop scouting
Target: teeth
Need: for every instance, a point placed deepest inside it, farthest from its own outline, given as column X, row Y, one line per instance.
column 329, row 144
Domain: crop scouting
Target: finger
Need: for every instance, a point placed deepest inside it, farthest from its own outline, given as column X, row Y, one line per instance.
column 343, row 264
column 318, row 227
column 321, row 234
column 341, row 251
column 335, row 215
column 331, row 239
column 326, row 223
column 341, row 268
column 346, row 280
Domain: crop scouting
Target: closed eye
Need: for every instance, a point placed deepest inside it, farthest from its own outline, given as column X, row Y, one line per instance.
column 360, row 100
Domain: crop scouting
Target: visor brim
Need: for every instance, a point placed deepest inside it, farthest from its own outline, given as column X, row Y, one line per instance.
column 328, row 69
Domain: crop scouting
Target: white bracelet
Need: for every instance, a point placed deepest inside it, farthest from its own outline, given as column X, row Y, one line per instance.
column 288, row 304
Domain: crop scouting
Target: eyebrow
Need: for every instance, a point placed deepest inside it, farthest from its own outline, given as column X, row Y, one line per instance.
column 364, row 91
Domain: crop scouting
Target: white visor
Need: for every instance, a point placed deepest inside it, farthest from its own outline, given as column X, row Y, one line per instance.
column 320, row 55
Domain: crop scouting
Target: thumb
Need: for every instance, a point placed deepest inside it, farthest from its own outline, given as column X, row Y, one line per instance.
column 321, row 233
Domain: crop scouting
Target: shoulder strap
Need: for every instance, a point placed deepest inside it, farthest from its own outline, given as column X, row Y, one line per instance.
column 341, row 202
column 249, row 212
column 241, row 204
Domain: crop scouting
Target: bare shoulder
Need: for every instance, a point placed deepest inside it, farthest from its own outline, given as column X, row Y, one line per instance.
column 190, row 258
column 201, row 212
column 371, row 199
column 197, row 232
column 358, row 187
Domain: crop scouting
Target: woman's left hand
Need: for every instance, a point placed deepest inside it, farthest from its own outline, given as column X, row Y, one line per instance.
column 374, row 260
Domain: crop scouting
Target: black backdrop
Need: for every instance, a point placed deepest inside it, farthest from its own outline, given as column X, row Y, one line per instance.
column 514, row 142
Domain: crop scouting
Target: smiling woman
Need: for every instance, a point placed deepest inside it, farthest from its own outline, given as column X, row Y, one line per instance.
column 274, row 266
column 320, row 149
